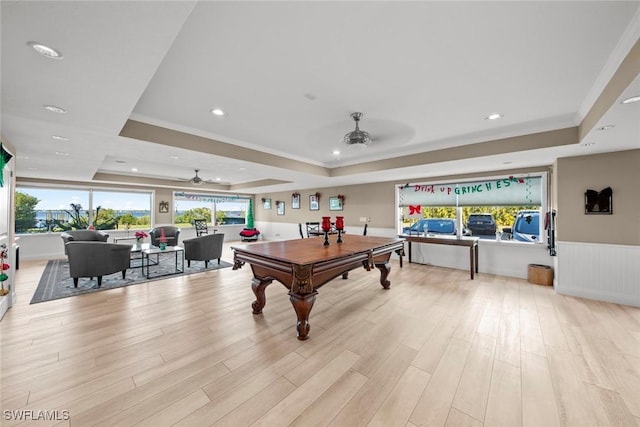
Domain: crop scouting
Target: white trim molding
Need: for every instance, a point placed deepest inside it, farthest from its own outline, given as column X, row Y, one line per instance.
column 599, row 271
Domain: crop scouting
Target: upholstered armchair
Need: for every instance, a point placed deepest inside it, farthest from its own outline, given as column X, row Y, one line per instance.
column 203, row 248
column 172, row 234
column 96, row 259
column 82, row 236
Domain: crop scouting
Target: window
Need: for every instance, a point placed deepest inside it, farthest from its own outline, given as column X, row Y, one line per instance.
column 480, row 208
column 40, row 210
column 121, row 210
column 216, row 209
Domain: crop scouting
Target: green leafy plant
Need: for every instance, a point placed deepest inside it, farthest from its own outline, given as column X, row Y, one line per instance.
column 79, row 220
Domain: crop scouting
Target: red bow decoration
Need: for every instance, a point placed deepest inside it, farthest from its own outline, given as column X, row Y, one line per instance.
column 413, row 210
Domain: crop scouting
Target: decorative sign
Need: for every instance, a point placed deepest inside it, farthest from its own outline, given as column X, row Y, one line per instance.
column 504, row 191
column 208, row 198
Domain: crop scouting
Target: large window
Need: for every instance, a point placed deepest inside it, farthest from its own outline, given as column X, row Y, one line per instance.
column 510, row 206
column 122, row 210
column 40, row 210
column 216, row 209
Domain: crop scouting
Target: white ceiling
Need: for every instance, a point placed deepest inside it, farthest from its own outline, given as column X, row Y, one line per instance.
column 425, row 75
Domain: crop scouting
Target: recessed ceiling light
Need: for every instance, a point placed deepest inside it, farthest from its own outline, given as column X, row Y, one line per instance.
column 218, row 112
column 218, row 179
column 506, row 163
column 33, row 169
column 494, row 116
column 606, row 127
column 336, row 152
column 134, row 169
column 54, row 109
column 174, row 157
column 59, row 138
column 242, row 169
column 588, row 144
column 61, row 153
column 632, row 99
column 46, row 51
column 120, row 161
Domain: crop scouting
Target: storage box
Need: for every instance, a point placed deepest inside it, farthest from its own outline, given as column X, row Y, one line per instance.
column 540, row 275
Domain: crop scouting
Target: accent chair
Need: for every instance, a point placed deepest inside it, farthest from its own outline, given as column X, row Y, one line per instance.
column 96, row 259
column 82, row 236
column 204, row 248
column 171, row 233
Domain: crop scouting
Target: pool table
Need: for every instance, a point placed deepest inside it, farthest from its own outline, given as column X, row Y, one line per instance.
column 304, row 265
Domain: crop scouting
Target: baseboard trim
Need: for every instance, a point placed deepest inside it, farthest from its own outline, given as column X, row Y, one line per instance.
column 4, row 305
column 599, row 296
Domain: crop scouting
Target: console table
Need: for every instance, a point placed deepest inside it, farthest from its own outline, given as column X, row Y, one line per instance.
column 470, row 242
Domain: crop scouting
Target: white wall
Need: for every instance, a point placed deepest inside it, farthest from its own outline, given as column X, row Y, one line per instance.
column 49, row 245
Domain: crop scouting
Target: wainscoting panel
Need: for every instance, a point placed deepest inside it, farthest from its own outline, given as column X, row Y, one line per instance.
column 599, row 271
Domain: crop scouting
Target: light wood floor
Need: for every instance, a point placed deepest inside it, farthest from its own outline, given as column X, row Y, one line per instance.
column 435, row 349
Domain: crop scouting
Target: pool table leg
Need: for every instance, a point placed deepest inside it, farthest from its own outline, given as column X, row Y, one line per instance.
column 385, row 269
column 302, row 304
column 258, row 286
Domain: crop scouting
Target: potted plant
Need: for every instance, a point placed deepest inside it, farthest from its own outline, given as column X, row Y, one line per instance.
column 139, row 235
column 249, row 233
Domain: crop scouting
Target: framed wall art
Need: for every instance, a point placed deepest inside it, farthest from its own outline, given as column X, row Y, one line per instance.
column 266, row 203
column 598, row 202
column 280, row 208
column 163, row 207
column 314, row 204
column 335, row 204
column 295, row 201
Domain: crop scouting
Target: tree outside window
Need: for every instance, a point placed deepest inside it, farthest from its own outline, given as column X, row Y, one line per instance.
column 224, row 210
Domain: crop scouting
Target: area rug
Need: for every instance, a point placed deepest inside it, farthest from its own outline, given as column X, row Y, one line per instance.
column 56, row 283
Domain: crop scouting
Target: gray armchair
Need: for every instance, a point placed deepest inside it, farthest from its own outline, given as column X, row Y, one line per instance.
column 82, row 236
column 171, row 233
column 96, row 259
column 203, row 248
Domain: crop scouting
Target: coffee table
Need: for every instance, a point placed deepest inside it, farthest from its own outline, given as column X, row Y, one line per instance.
column 161, row 255
column 137, row 249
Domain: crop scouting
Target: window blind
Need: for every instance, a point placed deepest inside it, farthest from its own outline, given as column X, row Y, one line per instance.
column 507, row 191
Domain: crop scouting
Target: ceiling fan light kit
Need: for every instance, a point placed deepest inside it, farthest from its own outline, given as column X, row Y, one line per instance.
column 357, row 139
column 196, row 180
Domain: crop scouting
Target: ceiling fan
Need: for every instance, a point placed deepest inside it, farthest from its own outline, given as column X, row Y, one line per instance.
column 357, row 139
column 196, row 180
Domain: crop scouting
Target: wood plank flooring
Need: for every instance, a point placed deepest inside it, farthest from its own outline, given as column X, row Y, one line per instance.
column 437, row 349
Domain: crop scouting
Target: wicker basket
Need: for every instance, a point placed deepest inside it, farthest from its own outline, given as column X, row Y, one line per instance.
column 540, row 275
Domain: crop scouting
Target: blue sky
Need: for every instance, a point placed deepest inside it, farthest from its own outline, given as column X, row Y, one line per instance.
column 61, row 199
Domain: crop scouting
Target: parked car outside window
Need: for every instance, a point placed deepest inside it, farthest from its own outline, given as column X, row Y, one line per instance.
column 482, row 224
column 433, row 226
column 526, row 227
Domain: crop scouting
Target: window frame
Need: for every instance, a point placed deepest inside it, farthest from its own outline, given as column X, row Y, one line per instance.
column 215, row 199
column 544, row 197
column 89, row 190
